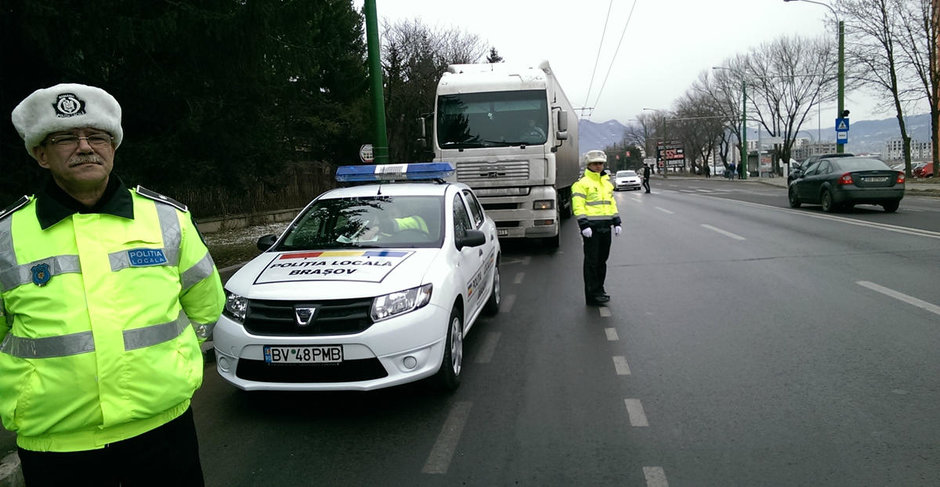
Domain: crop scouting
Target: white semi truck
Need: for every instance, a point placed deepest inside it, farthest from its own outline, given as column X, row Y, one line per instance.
column 512, row 134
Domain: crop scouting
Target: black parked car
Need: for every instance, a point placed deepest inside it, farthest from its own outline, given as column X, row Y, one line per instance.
column 843, row 182
column 797, row 169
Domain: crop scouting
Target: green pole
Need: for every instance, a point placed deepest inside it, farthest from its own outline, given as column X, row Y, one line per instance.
column 380, row 144
column 840, row 148
column 742, row 167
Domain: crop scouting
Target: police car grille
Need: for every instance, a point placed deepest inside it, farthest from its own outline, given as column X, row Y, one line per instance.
column 335, row 317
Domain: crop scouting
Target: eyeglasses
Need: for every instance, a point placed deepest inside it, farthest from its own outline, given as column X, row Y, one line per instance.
column 69, row 141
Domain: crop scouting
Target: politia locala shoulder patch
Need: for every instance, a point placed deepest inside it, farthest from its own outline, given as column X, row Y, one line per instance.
column 68, row 105
column 41, row 274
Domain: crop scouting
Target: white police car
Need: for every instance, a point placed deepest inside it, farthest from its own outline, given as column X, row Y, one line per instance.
column 370, row 286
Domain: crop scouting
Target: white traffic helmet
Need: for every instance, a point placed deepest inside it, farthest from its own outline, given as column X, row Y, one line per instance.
column 595, row 156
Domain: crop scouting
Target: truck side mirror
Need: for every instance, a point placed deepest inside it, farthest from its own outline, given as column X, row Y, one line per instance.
column 423, row 140
column 562, row 121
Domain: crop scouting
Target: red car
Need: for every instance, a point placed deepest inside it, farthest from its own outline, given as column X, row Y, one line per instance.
column 922, row 170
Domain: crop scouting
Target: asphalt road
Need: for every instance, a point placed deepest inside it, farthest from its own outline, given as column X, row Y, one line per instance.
column 747, row 343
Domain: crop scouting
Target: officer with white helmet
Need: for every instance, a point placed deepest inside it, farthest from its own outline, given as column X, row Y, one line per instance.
column 592, row 201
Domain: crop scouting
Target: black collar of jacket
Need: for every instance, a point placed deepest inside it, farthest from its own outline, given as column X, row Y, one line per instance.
column 54, row 205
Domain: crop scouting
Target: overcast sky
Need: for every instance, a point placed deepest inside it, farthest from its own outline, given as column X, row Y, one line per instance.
column 666, row 45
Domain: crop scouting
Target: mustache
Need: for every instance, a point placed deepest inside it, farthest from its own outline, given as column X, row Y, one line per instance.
column 85, row 159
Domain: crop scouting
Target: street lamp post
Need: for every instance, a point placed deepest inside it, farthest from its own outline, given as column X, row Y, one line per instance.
column 840, row 147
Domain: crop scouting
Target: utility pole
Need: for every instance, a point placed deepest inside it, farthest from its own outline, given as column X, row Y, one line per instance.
column 375, row 74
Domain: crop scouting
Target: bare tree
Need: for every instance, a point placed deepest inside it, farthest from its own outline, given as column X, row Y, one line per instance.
column 787, row 78
column 697, row 125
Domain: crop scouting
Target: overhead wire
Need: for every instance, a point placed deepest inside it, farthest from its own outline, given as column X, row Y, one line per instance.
column 614, row 58
column 597, row 59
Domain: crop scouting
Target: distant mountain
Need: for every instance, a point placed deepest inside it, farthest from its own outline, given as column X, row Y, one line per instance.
column 592, row 135
column 864, row 135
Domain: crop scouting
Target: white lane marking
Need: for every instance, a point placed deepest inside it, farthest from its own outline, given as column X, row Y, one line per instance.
column 724, row 232
column 611, row 334
column 664, row 210
column 604, row 311
column 489, row 347
column 506, row 305
column 519, row 277
column 620, row 365
column 443, row 450
column 655, row 477
column 527, row 260
column 901, row 297
column 636, row 413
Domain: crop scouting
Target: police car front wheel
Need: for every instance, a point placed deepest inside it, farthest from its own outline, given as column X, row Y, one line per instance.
column 448, row 377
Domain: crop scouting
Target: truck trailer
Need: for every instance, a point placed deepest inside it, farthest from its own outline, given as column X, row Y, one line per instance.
column 512, row 134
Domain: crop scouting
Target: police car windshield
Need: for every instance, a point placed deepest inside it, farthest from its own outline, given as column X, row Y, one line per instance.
column 373, row 222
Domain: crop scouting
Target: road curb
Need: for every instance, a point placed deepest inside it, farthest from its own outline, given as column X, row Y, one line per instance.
column 11, row 475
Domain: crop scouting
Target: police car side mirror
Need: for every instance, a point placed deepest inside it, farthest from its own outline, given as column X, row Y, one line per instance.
column 473, row 238
column 266, row 242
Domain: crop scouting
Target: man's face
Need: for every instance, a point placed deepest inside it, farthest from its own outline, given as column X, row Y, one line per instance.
column 595, row 166
column 77, row 164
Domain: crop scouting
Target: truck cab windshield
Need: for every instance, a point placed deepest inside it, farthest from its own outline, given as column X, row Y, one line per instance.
column 492, row 119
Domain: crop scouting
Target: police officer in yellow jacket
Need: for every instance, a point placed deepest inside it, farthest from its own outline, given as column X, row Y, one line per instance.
column 592, row 201
column 105, row 296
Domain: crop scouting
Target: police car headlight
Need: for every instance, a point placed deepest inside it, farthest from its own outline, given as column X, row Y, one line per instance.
column 236, row 307
column 394, row 304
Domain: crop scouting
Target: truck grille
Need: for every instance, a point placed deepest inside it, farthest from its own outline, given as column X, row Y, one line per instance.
column 332, row 317
column 505, row 171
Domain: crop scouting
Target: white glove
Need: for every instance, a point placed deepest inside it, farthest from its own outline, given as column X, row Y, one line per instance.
column 587, row 232
column 617, row 230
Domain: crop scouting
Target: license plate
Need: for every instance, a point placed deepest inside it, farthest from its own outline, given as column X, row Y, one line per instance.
column 502, row 232
column 318, row 354
column 880, row 179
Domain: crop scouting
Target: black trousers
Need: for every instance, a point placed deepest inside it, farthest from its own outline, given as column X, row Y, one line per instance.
column 168, row 455
column 646, row 184
column 596, row 252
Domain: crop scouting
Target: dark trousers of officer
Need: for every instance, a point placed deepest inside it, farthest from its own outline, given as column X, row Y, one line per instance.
column 646, row 184
column 596, row 251
column 165, row 456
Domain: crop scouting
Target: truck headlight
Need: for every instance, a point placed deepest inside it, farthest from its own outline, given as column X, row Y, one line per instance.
column 394, row 304
column 236, row 307
column 543, row 205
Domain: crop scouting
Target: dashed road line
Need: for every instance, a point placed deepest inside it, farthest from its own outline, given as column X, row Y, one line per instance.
column 604, row 311
column 443, row 450
column 489, row 347
column 636, row 413
column 724, row 232
column 901, row 296
column 506, row 305
column 611, row 334
column 620, row 365
column 655, row 477
column 665, row 210
column 519, row 277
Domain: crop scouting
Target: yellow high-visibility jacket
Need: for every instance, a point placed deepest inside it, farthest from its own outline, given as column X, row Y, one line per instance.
column 101, row 318
column 592, row 201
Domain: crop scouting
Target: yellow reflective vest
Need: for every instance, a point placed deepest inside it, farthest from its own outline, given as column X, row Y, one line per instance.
column 592, row 201
column 99, row 316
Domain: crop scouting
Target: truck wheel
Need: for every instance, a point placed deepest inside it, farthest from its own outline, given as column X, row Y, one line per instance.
column 448, row 376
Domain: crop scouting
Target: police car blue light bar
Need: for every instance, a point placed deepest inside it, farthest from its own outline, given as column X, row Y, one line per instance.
column 395, row 172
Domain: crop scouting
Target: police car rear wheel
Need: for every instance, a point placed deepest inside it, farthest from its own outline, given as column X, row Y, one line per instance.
column 448, row 377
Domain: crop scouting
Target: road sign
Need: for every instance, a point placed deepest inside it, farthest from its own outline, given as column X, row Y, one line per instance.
column 842, row 125
column 842, row 137
column 366, row 154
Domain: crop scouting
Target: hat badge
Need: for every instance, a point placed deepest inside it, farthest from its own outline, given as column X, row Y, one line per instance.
column 68, row 105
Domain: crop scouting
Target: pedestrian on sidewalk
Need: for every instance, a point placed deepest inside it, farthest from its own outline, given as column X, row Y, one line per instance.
column 592, row 201
column 646, row 177
column 105, row 297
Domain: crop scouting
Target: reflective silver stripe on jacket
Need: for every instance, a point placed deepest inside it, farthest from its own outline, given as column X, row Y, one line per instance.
column 595, row 218
column 17, row 275
column 47, row 347
column 573, row 195
column 204, row 331
column 172, row 236
column 155, row 334
column 597, row 203
column 198, row 272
